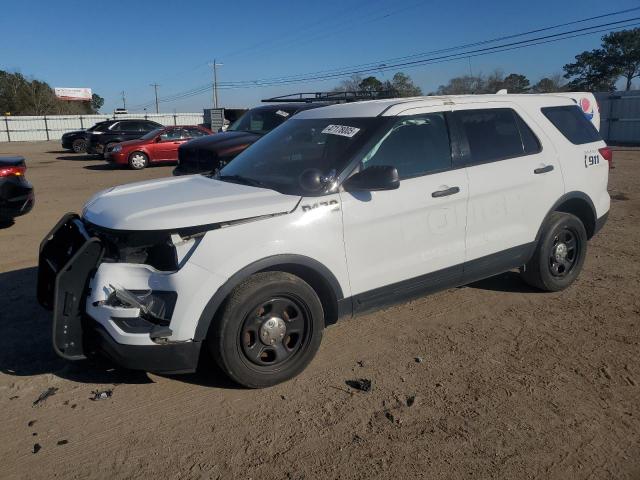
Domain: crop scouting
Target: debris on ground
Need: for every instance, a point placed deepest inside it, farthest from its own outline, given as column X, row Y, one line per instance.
column 419, row 359
column 411, row 399
column 101, row 394
column 362, row 384
column 390, row 416
column 360, row 363
column 62, row 442
column 31, row 423
column 36, row 448
column 49, row 392
column 14, row 397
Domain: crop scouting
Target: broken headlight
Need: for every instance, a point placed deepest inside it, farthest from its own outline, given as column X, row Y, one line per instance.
column 162, row 250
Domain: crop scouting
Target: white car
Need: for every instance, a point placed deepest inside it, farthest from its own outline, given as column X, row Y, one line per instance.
column 341, row 210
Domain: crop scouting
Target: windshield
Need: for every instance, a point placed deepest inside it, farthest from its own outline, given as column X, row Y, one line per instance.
column 151, row 134
column 260, row 120
column 302, row 156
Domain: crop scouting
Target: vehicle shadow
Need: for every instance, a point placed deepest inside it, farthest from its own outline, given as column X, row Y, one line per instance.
column 59, row 151
column 25, row 343
column 505, row 282
column 76, row 157
column 101, row 167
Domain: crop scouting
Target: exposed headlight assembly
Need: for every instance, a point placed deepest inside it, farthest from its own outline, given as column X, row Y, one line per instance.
column 163, row 250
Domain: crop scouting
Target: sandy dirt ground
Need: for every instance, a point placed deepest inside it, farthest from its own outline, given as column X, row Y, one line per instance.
column 492, row 380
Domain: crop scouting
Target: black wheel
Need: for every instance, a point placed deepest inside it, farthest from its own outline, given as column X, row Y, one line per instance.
column 138, row 160
column 106, row 147
column 79, row 145
column 559, row 255
column 268, row 330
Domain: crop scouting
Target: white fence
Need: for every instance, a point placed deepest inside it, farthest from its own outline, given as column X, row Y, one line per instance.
column 51, row 127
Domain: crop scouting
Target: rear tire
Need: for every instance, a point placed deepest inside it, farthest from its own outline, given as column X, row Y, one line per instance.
column 138, row 160
column 268, row 330
column 559, row 255
column 79, row 145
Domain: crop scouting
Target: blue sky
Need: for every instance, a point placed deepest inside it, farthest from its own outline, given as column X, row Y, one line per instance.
column 127, row 45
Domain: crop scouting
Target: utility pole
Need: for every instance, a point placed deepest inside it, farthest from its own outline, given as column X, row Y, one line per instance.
column 214, row 86
column 155, row 88
column 124, row 100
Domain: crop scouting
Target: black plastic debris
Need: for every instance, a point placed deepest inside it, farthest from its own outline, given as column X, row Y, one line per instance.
column 62, row 442
column 362, row 384
column 49, row 392
column 31, row 423
column 411, row 399
column 390, row 416
column 36, row 448
column 101, row 394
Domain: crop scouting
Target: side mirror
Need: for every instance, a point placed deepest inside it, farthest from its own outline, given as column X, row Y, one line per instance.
column 158, row 139
column 376, row 177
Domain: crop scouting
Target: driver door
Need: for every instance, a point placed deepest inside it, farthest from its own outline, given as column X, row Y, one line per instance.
column 170, row 140
column 409, row 241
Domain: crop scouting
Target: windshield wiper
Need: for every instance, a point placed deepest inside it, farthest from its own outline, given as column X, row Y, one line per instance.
column 242, row 180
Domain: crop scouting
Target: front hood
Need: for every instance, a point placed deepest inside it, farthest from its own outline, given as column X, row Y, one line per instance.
column 182, row 202
column 221, row 141
column 75, row 132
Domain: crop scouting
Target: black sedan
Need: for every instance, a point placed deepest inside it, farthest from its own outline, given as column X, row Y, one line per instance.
column 16, row 193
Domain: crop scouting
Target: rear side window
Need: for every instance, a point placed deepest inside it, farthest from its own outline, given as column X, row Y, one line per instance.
column 415, row 146
column 572, row 124
column 496, row 134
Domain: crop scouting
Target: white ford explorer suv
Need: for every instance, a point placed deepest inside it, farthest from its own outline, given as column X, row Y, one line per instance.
column 341, row 210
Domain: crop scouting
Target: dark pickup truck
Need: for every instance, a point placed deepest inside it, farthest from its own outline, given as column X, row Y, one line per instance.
column 206, row 154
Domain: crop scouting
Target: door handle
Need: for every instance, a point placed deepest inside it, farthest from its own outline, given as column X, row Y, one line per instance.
column 544, row 169
column 444, row 193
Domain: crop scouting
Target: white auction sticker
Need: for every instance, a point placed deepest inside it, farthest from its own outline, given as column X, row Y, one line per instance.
column 282, row 113
column 342, row 130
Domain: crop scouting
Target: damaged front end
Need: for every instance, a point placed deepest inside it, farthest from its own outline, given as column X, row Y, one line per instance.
column 81, row 273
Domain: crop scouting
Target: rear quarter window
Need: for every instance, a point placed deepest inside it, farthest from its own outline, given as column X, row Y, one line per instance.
column 572, row 123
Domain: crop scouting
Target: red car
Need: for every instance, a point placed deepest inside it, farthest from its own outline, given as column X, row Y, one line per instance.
column 160, row 145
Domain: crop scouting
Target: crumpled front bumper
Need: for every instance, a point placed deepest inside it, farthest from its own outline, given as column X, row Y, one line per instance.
column 69, row 259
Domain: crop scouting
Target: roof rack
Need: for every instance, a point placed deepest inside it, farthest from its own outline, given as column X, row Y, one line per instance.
column 346, row 97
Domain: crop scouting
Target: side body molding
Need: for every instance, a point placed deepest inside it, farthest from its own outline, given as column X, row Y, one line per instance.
column 267, row 263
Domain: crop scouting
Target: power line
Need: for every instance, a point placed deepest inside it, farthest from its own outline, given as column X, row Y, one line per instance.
column 390, row 64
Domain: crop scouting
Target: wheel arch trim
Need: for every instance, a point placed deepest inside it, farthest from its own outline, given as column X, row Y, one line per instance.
column 574, row 195
column 267, row 263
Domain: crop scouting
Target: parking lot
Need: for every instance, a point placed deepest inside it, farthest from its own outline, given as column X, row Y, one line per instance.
column 491, row 380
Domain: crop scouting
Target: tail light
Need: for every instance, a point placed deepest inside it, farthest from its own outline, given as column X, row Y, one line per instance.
column 607, row 154
column 13, row 171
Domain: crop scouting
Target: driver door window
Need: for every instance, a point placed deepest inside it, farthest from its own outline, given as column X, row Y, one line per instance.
column 416, row 146
column 173, row 134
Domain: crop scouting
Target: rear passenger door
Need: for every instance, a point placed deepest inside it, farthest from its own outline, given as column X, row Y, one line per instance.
column 514, row 180
column 404, row 242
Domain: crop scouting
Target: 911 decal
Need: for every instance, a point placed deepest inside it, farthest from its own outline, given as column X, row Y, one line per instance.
column 591, row 160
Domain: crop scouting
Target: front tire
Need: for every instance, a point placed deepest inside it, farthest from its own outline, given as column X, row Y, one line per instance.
column 559, row 255
column 138, row 160
column 268, row 330
column 79, row 145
